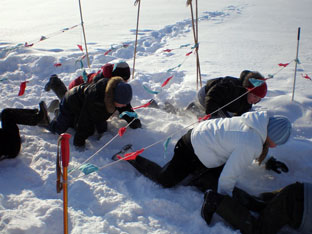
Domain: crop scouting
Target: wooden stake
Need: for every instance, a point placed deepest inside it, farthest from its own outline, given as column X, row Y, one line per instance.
column 294, row 84
column 84, row 35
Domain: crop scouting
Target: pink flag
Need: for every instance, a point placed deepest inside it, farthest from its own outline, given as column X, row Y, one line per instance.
column 107, row 52
column 283, row 64
column 57, row 64
column 306, row 76
column 167, row 50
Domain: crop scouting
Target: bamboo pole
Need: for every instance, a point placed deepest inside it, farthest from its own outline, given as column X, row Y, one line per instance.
column 195, row 35
column 295, row 74
column 136, row 36
column 84, row 35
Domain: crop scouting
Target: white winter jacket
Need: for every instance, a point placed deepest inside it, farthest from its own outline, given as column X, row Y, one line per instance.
column 235, row 142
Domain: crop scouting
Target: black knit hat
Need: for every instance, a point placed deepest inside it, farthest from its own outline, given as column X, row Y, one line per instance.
column 121, row 69
column 123, row 93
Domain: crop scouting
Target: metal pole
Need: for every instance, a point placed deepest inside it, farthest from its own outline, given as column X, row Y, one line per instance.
column 294, row 84
column 84, row 35
column 136, row 36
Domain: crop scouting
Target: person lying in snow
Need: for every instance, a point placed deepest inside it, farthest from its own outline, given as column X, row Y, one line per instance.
column 217, row 151
column 224, row 90
column 9, row 133
column 290, row 206
column 87, row 107
column 109, row 70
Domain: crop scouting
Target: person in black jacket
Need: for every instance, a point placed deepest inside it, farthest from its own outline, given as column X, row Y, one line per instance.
column 292, row 206
column 87, row 107
column 230, row 94
column 9, row 133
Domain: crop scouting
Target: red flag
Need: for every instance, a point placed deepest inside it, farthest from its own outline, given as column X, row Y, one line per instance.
column 28, row 45
column 166, row 81
column 189, row 53
column 80, row 47
column 107, row 52
column 204, row 118
column 167, row 50
column 22, row 88
column 283, row 64
column 130, row 156
column 145, row 105
column 57, row 64
column 122, row 131
column 306, row 76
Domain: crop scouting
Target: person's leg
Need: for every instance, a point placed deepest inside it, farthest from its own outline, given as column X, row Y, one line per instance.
column 286, row 208
column 205, row 178
column 10, row 137
column 182, row 163
column 238, row 216
column 63, row 121
column 57, row 85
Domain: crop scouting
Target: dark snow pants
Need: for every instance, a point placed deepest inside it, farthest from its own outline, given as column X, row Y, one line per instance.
column 64, row 120
column 285, row 208
column 184, row 168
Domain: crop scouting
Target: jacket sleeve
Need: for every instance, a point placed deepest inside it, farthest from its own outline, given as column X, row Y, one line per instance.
column 239, row 160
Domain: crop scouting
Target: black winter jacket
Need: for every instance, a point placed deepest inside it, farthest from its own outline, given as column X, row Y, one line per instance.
column 223, row 90
column 92, row 104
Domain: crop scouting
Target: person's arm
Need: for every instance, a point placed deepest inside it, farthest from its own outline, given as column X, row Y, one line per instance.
column 136, row 123
column 236, row 164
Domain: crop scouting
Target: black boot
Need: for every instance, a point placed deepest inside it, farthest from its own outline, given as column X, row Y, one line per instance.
column 57, row 86
column 211, row 202
column 44, row 119
column 23, row 116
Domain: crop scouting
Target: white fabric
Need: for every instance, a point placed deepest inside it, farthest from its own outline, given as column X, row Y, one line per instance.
column 235, row 141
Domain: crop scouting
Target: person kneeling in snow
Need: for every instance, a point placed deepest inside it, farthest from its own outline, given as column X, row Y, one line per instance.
column 87, row 107
column 109, row 70
column 291, row 206
column 9, row 133
column 221, row 91
column 217, row 151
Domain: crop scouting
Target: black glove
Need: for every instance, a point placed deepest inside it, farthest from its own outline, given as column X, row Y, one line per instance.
column 78, row 141
column 135, row 124
column 277, row 166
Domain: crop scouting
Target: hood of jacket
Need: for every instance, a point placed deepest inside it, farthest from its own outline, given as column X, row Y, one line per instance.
column 109, row 93
column 258, row 121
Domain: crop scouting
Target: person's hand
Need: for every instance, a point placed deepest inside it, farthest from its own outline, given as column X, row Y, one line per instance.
column 135, row 124
column 277, row 166
column 78, row 141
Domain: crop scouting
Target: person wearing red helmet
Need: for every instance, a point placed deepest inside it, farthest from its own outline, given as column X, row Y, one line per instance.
column 228, row 96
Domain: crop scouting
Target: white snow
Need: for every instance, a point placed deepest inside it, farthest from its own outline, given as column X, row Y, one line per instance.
column 233, row 36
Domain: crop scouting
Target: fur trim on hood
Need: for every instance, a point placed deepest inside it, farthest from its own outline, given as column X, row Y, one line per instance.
column 109, row 93
column 246, row 75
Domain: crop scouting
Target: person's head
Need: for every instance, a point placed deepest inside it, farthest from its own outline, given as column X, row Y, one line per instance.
column 122, row 94
column 279, row 129
column 121, row 69
column 256, row 94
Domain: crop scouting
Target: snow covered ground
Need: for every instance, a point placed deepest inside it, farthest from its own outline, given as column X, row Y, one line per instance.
column 233, row 36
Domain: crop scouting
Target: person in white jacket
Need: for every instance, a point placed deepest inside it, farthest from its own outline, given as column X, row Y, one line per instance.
column 219, row 150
